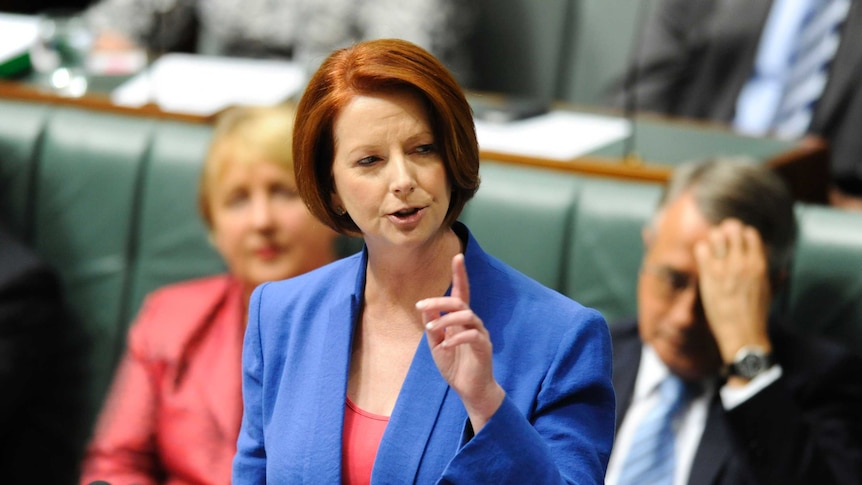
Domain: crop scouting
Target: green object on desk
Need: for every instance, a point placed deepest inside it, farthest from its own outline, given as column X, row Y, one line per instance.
column 15, row 66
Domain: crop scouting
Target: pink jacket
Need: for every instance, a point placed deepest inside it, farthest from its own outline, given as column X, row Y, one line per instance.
column 173, row 413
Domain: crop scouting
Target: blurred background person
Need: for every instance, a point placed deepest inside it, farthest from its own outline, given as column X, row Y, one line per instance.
column 782, row 67
column 40, row 366
column 173, row 413
column 712, row 388
column 390, row 366
column 303, row 30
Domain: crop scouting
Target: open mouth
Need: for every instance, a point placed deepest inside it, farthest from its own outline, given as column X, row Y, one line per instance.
column 406, row 213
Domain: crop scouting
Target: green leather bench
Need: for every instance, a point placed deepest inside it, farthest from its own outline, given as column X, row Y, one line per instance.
column 109, row 200
column 582, row 236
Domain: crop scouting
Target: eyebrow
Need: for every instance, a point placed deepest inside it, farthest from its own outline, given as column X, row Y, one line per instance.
column 371, row 147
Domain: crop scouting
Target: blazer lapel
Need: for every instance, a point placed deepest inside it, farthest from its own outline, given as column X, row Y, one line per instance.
column 324, row 442
column 331, row 376
column 846, row 71
column 412, row 422
column 714, row 449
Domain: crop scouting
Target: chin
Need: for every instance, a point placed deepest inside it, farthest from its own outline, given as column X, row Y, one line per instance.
column 686, row 366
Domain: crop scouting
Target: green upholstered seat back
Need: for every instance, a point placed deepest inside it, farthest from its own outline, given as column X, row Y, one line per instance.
column 86, row 193
column 825, row 287
column 171, row 238
column 21, row 126
column 521, row 216
column 605, row 248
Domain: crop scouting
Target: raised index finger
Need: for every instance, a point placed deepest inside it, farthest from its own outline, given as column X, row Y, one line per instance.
column 460, row 284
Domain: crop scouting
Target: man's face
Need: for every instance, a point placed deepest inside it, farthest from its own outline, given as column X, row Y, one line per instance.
column 670, row 314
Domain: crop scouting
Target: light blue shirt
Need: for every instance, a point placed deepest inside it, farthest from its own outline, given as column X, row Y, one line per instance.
column 759, row 99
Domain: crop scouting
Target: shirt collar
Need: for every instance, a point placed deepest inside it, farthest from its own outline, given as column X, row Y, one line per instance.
column 652, row 371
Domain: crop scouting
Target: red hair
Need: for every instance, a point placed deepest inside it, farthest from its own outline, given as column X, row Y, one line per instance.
column 372, row 67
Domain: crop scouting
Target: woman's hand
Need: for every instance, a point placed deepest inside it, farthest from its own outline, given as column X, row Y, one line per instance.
column 462, row 348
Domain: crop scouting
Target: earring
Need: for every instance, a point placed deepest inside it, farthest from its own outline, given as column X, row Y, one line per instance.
column 340, row 211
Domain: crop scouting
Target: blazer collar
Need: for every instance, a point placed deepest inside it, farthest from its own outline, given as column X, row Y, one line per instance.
column 328, row 428
column 417, row 411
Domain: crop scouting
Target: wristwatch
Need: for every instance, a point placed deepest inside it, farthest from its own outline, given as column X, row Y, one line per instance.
column 749, row 362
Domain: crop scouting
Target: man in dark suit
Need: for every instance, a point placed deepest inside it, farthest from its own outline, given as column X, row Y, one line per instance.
column 41, row 378
column 765, row 406
column 697, row 57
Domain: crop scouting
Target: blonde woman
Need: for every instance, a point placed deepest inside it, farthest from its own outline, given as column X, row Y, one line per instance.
column 173, row 414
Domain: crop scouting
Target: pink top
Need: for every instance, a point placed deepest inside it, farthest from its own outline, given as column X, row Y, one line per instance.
column 175, row 408
column 362, row 434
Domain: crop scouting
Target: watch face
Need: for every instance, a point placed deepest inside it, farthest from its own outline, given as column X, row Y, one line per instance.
column 752, row 364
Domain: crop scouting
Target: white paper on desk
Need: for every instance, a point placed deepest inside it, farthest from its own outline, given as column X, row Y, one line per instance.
column 203, row 85
column 557, row 135
column 17, row 34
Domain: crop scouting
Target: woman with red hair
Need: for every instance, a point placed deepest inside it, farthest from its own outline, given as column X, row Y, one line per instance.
column 390, row 366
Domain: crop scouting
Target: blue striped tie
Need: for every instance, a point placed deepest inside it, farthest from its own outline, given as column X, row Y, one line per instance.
column 817, row 44
column 651, row 457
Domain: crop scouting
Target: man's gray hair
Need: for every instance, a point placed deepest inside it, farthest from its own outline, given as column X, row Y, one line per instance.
column 740, row 188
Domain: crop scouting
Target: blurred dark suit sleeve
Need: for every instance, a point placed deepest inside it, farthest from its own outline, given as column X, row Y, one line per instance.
column 41, row 374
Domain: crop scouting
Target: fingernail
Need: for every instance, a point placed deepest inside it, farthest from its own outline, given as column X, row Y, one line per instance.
column 421, row 304
column 429, row 325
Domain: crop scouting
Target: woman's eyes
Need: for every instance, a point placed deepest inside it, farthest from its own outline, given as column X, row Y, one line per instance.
column 285, row 191
column 424, row 149
column 367, row 160
column 239, row 198
column 236, row 199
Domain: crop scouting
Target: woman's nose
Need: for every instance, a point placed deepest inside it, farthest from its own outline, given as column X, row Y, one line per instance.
column 403, row 179
column 261, row 213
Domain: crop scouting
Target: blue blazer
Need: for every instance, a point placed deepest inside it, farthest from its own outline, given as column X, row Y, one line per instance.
column 551, row 355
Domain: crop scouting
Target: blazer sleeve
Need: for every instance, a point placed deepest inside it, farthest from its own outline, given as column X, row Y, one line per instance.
column 123, row 448
column 568, row 436
column 805, row 428
column 249, row 465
